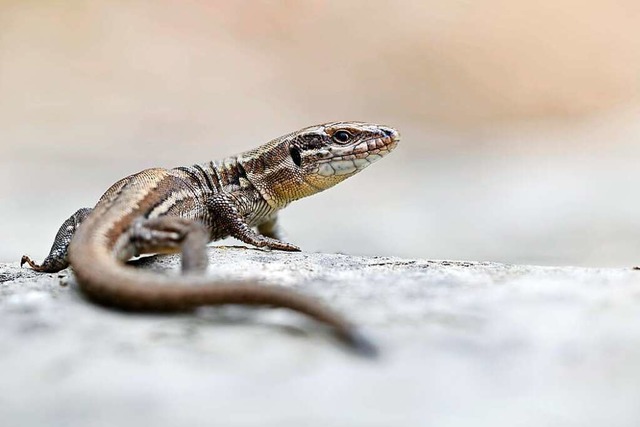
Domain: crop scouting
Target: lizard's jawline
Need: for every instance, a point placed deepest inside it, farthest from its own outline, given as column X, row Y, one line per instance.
column 354, row 162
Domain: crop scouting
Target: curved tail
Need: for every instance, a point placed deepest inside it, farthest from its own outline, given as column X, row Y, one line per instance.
column 105, row 280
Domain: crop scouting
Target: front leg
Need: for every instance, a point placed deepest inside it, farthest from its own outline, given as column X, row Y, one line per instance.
column 57, row 258
column 227, row 212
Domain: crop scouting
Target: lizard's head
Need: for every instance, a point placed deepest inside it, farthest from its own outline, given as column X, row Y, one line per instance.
column 316, row 158
column 330, row 153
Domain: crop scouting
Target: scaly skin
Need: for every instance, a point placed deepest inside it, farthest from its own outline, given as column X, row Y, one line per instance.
column 182, row 209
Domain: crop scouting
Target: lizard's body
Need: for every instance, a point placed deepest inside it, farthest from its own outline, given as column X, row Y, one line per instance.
column 182, row 209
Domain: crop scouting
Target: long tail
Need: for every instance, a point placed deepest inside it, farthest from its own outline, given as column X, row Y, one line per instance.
column 105, row 280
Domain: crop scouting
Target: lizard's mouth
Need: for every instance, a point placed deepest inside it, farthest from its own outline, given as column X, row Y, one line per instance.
column 358, row 156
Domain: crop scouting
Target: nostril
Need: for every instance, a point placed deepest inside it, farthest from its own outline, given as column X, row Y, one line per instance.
column 391, row 133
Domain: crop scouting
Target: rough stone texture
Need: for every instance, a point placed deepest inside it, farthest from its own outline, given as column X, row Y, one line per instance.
column 463, row 344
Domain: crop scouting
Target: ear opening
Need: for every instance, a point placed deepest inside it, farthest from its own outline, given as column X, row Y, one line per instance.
column 295, row 155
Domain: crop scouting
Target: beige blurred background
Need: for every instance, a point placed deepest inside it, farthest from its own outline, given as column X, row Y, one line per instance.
column 519, row 118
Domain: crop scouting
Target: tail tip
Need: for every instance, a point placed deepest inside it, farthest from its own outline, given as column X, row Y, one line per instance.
column 360, row 344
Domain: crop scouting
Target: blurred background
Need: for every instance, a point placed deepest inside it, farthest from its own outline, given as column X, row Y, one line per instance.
column 519, row 118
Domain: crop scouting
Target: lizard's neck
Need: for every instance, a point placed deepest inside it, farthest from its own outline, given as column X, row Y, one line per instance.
column 271, row 171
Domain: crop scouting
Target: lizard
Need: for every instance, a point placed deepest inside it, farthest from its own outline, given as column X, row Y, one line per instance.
column 181, row 210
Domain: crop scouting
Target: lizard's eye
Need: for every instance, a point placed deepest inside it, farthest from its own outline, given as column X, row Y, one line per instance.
column 342, row 136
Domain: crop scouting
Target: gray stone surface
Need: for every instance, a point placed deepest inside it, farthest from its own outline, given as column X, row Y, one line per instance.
column 463, row 344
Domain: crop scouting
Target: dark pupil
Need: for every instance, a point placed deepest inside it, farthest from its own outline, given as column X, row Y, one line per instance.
column 342, row 136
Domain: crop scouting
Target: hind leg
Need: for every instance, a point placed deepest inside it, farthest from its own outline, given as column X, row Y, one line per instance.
column 57, row 258
column 169, row 234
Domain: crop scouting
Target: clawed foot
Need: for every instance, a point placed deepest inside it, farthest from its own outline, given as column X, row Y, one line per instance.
column 26, row 260
column 270, row 243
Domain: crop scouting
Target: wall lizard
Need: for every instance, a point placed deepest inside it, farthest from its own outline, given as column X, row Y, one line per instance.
column 182, row 209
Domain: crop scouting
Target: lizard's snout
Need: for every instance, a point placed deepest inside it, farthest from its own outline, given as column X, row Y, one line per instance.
column 390, row 133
